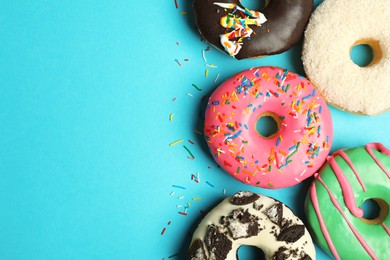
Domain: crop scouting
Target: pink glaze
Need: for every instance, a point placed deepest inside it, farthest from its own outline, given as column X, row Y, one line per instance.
column 325, row 232
column 354, row 231
column 346, row 158
column 294, row 153
column 381, row 148
column 346, row 188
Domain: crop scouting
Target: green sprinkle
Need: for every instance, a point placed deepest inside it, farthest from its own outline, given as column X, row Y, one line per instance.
column 188, row 150
column 197, row 88
column 174, row 255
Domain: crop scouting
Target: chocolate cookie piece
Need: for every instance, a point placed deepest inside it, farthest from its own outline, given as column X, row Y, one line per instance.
column 305, row 257
column 280, row 254
column 217, row 243
column 196, row 251
column 275, row 213
column 241, row 224
column 286, row 22
column 244, row 198
column 291, row 234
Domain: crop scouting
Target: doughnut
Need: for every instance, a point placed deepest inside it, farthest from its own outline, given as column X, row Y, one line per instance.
column 333, row 205
column 329, row 37
column 293, row 153
column 251, row 219
column 244, row 33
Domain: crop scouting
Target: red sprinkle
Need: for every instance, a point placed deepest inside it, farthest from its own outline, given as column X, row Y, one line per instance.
column 163, row 231
column 227, row 164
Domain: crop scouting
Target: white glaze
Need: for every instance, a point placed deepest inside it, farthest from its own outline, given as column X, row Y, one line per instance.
column 265, row 240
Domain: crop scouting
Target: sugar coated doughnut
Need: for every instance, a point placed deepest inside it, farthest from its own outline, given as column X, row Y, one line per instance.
column 248, row 218
column 245, row 33
column 293, row 153
column 334, row 28
column 333, row 205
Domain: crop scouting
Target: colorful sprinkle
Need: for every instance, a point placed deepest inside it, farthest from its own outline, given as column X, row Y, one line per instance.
column 188, row 150
column 176, row 142
column 178, row 62
column 179, row 187
column 197, row 88
column 211, row 185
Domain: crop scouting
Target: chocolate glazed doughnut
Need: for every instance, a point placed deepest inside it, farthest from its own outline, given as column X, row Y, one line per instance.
column 282, row 28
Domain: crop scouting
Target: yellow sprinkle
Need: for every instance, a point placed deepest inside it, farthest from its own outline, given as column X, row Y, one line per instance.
column 207, row 73
column 183, row 12
column 189, row 205
column 195, row 198
column 280, row 136
column 171, row 117
column 176, row 142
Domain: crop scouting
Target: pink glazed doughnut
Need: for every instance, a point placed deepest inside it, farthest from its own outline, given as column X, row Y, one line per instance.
column 297, row 149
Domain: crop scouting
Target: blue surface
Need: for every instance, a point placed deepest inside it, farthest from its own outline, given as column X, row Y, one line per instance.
column 86, row 90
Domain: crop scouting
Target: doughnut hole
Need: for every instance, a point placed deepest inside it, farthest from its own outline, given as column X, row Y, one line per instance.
column 375, row 211
column 245, row 252
column 257, row 5
column 267, row 125
column 365, row 52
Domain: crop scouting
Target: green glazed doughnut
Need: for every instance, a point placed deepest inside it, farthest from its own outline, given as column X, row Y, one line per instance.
column 333, row 204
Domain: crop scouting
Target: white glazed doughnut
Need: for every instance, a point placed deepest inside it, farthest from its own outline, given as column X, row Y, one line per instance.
column 251, row 219
column 334, row 28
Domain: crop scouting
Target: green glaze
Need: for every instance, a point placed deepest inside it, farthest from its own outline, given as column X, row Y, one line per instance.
column 378, row 186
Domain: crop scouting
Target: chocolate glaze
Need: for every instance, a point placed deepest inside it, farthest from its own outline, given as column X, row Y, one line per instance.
column 286, row 22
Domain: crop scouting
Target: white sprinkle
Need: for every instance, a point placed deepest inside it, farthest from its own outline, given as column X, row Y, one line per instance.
column 211, row 66
column 172, row 193
column 179, row 206
column 204, row 56
column 180, row 197
column 303, row 172
column 297, row 131
column 297, row 179
column 189, row 94
column 216, row 78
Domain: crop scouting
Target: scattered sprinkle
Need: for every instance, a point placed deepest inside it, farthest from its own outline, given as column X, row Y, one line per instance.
column 206, row 73
column 179, row 187
column 188, row 150
column 204, row 56
column 177, row 6
column 208, row 183
column 178, row 62
column 195, row 198
column 171, row 117
column 211, row 66
column 216, row 78
column 174, row 255
column 184, row 12
column 176, row 142
column 197, row 88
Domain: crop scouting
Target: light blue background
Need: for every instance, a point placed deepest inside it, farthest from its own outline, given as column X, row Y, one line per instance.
column 86, row 90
